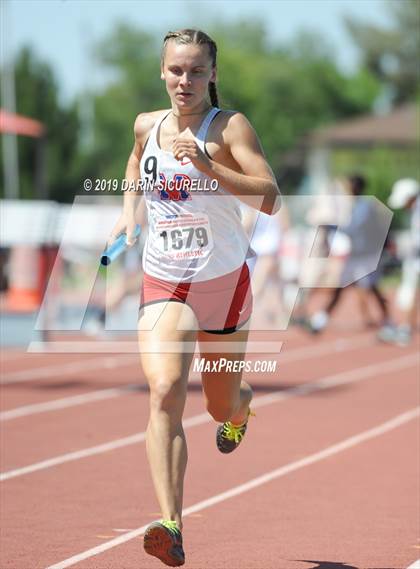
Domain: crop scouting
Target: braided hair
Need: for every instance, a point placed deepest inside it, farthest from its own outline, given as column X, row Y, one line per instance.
column 196, row 37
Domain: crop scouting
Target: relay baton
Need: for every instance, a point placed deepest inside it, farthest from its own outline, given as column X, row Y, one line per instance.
column 118, row 247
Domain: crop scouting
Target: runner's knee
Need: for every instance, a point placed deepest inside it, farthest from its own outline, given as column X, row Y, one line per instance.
column 246, row 391
column 167, row 394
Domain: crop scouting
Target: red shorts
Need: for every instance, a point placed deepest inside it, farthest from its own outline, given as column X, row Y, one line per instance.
column 221, row 305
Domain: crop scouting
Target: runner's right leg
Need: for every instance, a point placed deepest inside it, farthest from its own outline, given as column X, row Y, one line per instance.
column 167, row 374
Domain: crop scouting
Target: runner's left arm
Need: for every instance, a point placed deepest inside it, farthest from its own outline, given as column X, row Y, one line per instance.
column 255, row 180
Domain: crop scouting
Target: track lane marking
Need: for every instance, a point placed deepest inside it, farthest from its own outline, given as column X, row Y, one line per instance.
column 93, row 451
column 290, row 356
column 343, row 445
column 65, row 402
column 343, row 378
column 70, row 368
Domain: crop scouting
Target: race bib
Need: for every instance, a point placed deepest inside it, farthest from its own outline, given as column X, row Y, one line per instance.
column 186, row 236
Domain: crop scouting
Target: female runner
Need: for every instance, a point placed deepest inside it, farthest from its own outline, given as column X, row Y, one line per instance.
column 196, row 284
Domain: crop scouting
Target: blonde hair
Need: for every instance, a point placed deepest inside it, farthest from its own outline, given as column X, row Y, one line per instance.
column 197, row 37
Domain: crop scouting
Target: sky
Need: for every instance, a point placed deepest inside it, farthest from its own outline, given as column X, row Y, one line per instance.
column 63, row 31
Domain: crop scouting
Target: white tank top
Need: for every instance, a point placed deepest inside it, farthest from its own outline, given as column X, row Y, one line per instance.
column 193, row 235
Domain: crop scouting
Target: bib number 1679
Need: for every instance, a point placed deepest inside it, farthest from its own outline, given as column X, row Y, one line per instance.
column 178, row 239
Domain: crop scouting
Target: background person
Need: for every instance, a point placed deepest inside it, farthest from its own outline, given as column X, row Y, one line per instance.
column 363, row 230
column 405, row 195
column 266, row 234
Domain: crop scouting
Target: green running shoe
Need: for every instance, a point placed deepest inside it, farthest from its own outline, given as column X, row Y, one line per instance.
column 229, row 436
column 164, row 540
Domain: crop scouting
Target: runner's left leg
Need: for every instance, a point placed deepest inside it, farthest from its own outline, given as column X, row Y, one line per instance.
column 227, row 395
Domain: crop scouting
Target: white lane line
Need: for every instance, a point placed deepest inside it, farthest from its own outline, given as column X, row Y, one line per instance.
column 326, row 383
column 415, row 565
column 345, row 444
column 325, row 348
column 65, row 402
column 288, row 356
column 342, row 378
column 95, row 450
column 69, row 368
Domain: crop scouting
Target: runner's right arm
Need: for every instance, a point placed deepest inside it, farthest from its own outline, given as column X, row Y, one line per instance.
column 127, row 222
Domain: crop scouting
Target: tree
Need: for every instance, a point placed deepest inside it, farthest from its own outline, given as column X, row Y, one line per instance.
column 132, row 57
column 288, row 91
column 37, row 98
column 285, row 91
column 391, row 54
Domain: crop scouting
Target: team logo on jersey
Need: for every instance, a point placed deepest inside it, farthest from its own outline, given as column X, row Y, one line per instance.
column 175, row 189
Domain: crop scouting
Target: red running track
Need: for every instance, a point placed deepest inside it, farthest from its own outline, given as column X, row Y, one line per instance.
column 327, row 477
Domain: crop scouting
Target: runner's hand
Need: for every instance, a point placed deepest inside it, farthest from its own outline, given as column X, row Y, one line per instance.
column 186, row 148
column 125, row 224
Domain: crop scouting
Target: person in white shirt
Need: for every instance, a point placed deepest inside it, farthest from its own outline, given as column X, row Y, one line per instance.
column 405, row 195
column 196, row 282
